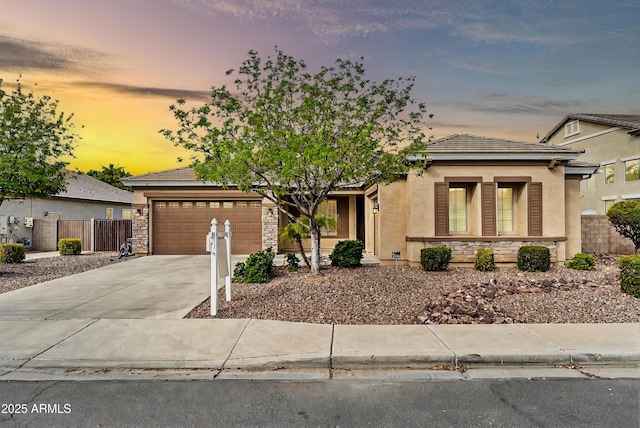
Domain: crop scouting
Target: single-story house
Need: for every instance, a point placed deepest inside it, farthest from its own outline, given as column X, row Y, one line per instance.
column 466, row 192
column 83, row 199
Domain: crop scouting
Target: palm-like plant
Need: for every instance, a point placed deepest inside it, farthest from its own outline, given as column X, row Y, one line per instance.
column 299, row 230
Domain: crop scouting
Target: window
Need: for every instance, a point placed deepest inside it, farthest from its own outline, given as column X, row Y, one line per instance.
column 127, row 213
column 161, row 205
column 591, row 183
column 241, row 204
column 609, row 174
column 255, row 204
column 109, row 213
column 174, row 205
column 571, row 128
column 227, row 205
column 505, row 209
column 631, row 170
column 201, row 205
column 608, row 204
column 187, row 205
column 214, row 204
column 457, row 209
column 330, row 207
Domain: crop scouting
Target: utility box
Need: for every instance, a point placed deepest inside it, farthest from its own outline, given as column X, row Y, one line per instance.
column 14, row 220
column 28, row 222
column 3, row 225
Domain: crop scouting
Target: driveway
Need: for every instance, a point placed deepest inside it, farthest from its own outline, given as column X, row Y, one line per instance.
column 145, row 287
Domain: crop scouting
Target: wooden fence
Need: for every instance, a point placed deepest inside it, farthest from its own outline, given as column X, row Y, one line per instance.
column 96, row 235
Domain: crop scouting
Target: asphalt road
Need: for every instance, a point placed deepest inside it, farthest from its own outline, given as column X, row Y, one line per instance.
column 242, row 403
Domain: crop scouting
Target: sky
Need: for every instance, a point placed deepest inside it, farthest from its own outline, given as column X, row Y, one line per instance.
column 506, row 69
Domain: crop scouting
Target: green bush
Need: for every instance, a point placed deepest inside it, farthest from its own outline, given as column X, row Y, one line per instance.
column 292, row 262
column 582, row 261
column 259, row 266
column 11, row 253
column 239, row 271
column 533, row 258
column 484, row 260
column 630, row 275
column 436, row 258
column 347, row 254
column 70, row 246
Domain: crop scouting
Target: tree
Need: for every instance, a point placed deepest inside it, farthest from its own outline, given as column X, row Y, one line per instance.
column 298, row 230
column 34, row 138
column 293, row 136
column 111, row 174
column 625, row 217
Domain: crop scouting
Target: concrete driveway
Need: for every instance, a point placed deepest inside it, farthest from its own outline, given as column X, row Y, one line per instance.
column 145, row 287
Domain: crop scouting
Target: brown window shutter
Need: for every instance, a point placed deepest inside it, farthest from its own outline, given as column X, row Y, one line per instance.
column 343, row 218
column 442, row 209
column 489, row 201
column 535, row 209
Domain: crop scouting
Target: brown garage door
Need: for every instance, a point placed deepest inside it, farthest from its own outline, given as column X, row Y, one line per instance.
column 180, row 227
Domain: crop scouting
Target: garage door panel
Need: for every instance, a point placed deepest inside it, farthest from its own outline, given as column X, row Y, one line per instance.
column 180, row 227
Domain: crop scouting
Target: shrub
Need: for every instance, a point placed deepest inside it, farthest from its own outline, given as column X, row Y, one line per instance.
column 630, row 275
column 259, row 266
column 70, row 246
column 239, row 271
column 534, row 257
column 292, row 262
column 484, row 260
column 11, row 253
column 436, row 258
column 347, row 254
column 625, row 217
column 582, row 261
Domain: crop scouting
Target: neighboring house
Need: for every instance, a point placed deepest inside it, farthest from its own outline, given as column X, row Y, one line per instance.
column 84, row 198
column 611, row 141
column 473, row 192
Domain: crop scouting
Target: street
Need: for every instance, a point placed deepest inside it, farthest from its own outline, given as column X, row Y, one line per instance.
column 345, row 403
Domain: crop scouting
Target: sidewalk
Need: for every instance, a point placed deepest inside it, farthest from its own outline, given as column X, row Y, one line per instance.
column 37, row 348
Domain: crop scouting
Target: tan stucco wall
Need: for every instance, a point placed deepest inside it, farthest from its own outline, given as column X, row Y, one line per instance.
column 573, row 219
column 407, row 207
column 602, row 149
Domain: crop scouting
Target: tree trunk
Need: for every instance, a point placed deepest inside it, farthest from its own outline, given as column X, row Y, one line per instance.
column 315, row 249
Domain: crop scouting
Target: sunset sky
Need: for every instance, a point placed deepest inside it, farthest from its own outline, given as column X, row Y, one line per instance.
column 507, row 69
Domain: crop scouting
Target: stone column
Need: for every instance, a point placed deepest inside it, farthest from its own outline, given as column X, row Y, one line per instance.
column 140, row 230
column 270, row 227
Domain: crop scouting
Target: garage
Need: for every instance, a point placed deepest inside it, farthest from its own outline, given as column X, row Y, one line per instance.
column 180, row 227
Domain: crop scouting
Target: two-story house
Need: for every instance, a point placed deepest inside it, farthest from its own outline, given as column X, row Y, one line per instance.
column 613, row 142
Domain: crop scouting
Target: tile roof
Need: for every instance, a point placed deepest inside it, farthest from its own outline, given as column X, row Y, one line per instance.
column 82, row 186
column 177, row 174
column 486, row 145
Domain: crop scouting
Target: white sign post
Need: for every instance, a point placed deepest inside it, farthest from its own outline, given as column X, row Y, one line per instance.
column 220, row 261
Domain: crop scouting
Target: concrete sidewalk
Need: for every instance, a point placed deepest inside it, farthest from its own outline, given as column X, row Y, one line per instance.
column 40, row 348
column 128, row 317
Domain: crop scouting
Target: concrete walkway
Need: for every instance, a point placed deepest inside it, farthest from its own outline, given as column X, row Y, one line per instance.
column 128, row 316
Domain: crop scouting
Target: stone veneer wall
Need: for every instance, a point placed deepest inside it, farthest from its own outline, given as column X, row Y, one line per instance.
column 503, row 251
column 140, row 230
column 600, row 237
column 270, row 227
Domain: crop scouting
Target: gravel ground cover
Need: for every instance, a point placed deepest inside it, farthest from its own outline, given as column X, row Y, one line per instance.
column 30, row 272
column 390, row 295
column 409, row 295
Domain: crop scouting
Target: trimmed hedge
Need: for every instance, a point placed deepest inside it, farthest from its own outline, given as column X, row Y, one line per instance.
column 534, row 258
column 630, row 275
column 347, row 254
column 12, row 253
column 70, row 246
column 435, row 258
column 582, row 261
column 484, row 260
